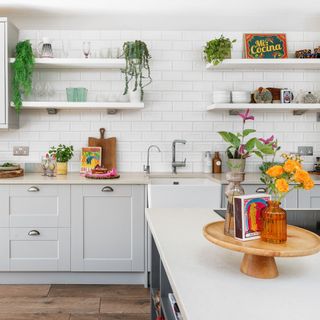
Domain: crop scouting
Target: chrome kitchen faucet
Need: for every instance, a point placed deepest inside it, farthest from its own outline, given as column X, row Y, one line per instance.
column 176, row 164
column 146, row 168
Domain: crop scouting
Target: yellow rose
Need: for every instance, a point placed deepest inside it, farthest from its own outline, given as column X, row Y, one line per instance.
column 291, row 166
column 301, row 176
column 308, row 184
column 275, row 171
column 282, row 185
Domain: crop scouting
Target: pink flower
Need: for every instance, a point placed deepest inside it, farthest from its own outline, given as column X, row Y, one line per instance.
column 246, row 116
column 267, row 141
column 242, row 150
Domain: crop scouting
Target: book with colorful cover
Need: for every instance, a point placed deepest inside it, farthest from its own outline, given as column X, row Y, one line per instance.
column 248, row 215
column 90, row 158
column 265, row 46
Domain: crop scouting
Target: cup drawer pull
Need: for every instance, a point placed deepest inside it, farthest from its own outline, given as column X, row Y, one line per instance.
column 33, row 189
column 261, row 190
column 107, row 189
column 33, row 233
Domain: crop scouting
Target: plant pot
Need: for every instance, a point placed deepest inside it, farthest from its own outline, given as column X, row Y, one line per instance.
column 135, row 96
column 236, row 165
column 62, row 168
column 274, row 220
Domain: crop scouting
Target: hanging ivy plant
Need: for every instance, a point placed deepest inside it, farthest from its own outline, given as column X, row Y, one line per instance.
column 137, row 68
column 22, row 73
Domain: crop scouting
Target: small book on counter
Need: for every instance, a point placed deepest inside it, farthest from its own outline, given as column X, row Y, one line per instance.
column 248, row 215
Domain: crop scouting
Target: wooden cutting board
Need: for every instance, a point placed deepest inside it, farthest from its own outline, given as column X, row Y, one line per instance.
column 109, row 149
column 11, row 174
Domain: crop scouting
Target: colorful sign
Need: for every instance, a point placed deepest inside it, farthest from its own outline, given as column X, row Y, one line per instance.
column 265, row 46
column 90, row 158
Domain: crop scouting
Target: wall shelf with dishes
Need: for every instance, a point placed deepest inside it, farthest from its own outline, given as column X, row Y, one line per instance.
column 235, row 108
column 79, row 63
column 53, row 106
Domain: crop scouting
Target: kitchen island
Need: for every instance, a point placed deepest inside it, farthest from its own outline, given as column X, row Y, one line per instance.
column 208, row 284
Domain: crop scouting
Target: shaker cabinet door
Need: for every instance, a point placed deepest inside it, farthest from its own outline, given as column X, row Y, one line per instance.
column 310, row 198
column 107, row 228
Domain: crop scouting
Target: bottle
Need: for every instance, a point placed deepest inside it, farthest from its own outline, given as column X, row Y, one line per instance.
column 216, row 163
column 207, row 162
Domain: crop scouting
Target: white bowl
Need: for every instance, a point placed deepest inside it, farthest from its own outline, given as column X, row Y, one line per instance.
column 241, row 96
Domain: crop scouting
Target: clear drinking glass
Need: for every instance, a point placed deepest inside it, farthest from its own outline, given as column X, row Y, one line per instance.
column 51, row 170
column 86, row 47
column 45, row 164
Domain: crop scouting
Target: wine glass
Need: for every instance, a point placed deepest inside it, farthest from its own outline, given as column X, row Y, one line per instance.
column 86, row 48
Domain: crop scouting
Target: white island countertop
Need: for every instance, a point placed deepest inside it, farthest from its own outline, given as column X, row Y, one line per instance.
column 208, row 284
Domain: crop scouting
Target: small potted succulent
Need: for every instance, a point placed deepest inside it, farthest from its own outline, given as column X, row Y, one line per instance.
column 63, row 154
column 240, row 149
column 217, row 50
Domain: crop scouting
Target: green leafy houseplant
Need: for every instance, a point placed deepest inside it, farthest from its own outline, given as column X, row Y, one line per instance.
column 137, row 67
column 22, row 73
column 217, row 50
column 62, row 153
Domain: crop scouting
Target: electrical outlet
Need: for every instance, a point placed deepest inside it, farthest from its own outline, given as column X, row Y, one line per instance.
column 20, row 151
column 305, row 150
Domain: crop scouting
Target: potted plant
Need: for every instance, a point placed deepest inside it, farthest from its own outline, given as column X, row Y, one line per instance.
column 240, row 149
column 217, row 50
column 280, row 179
column 63, row 154
column 22, row 73
column 137, row 69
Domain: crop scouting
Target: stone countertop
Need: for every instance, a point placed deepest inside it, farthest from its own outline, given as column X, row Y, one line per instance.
column 128, row 178
column 207, row 281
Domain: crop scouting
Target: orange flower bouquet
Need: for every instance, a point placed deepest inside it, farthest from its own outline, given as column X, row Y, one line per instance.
column 280, row 178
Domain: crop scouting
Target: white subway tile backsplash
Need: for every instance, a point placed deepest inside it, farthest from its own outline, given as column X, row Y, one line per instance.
column 175, row 103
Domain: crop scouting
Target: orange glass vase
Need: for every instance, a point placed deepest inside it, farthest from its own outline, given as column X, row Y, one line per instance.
column 274, row 223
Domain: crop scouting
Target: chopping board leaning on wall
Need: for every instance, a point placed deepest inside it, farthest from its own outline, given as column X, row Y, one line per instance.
column 109, row 149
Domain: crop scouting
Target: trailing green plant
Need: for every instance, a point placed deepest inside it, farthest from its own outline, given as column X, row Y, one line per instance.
column 137, row 67
column 62, row 153
column 217, row 50
column 22, row 73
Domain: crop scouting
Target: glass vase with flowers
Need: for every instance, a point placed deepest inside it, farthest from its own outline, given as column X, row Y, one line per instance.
column 280, row 179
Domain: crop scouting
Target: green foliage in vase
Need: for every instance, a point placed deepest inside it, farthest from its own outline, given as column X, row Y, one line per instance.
column 62, row 153
column 137, row 67
column 217, row 50
column 22, row 73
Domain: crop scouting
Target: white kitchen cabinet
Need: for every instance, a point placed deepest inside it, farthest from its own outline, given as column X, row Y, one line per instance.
column 8, row 40
column 107, row 232
column 309, row 198
column 290, row 201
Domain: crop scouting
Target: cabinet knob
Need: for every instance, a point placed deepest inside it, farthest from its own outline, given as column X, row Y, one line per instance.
column 33, row 233
column 107, row 189
column 261, row 190
column 33, row 189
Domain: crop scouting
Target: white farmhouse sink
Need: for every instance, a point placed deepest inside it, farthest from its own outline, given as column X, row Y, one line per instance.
column 184, row 193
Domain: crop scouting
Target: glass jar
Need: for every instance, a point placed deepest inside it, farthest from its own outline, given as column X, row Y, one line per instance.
column 274, row 220
column 233, row 189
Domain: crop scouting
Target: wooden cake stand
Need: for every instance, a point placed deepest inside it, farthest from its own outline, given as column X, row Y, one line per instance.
column 258, row 260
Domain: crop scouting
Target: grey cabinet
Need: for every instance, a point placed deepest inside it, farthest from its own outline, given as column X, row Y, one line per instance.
column 35, row 228
column 8, row 40
column 310, row 198
column 291, row 200
column 107, row 232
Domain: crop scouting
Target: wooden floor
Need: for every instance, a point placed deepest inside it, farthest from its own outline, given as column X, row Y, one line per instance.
column 74, row 302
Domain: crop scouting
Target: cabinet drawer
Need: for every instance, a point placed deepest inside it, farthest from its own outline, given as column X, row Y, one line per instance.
column 47, row 251
column 41, row 205
column 106, row 190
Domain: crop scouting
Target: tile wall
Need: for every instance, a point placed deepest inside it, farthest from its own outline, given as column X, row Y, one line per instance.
column 175, row 103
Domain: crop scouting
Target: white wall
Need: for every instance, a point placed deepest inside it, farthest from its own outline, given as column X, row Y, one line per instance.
column 175, row 103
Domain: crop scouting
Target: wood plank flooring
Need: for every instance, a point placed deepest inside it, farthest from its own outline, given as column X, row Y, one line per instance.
column 74, row 302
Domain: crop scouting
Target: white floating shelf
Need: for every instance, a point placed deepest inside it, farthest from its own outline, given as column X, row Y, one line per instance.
column 65, row 63
column 266, row 64
column 60, row 105
column 297, row 108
